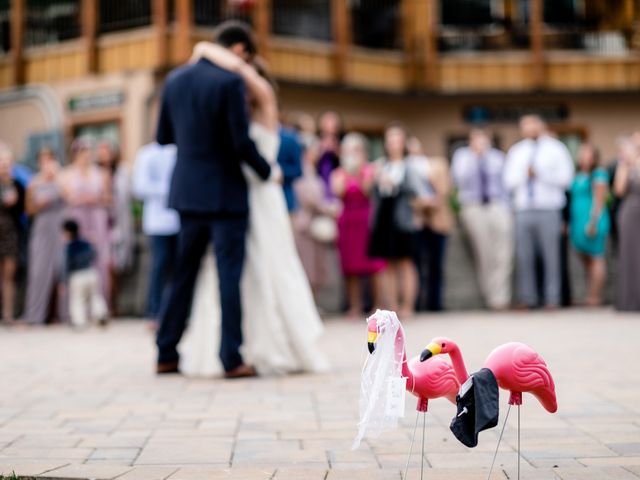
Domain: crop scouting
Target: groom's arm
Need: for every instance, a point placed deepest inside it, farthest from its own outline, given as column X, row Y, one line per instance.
column 239, row 126
column 164, row 133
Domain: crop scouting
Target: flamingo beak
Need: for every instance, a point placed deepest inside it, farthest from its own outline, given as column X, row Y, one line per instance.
column 431, row 350
column 371, row 341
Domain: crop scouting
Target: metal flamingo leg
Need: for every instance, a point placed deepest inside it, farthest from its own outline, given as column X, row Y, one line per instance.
column 518, row 442
column 424, row 427
column 413, row 437
column 499, row 440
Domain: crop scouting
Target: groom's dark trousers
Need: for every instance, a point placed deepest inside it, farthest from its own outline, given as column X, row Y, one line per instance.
column 204, row 112
column 228, row 235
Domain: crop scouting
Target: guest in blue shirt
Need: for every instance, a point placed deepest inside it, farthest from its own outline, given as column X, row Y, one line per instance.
column 290, row 161
column 86, row 302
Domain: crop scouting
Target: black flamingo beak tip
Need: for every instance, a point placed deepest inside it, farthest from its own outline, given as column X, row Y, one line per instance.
column 372, row 346
column 426, row 354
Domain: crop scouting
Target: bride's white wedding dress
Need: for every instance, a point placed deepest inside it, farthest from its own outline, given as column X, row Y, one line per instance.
column 280, row 321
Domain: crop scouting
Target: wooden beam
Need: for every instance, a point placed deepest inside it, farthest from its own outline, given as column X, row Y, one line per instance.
column 409, row 42
column 18, row 14
column 429, row 32
column 89, row 33
column 160, row 22
column 536, row 20
column 184, row 20
column 262, row 22
column 341, row 26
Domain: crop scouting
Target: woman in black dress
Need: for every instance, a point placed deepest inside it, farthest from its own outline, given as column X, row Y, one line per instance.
column 394, row 224
column 11, row 210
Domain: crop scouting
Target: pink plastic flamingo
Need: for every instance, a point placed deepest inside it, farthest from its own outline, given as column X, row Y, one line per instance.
column 517, row 368
column 428, row 380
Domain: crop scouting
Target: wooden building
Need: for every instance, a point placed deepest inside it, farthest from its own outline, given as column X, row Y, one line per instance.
column 70, row 67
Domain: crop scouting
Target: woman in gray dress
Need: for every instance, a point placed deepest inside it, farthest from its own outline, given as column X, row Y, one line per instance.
column 627, row 186
column 46, row 208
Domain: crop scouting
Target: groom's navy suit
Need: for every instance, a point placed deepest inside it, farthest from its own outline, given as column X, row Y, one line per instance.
column 204, row 112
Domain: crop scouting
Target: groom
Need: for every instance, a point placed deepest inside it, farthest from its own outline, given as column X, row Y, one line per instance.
column 204, row 112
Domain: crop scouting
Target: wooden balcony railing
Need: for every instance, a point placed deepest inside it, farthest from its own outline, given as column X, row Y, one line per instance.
column 393, row 45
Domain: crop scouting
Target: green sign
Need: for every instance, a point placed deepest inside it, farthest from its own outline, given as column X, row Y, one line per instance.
column 96, row 101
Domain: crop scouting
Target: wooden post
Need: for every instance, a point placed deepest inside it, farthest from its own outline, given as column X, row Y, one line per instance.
column 184, row 18
column 341, row 23
column 428, row 35
column 635, row 25
column 160, row 21
column 18, row 13
column 409, row 43
column 262, row 21
column 89, row 33
column 536, row 20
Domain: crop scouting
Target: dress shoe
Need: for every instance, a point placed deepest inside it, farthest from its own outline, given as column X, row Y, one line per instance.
column 243, row 371
column 166, row 368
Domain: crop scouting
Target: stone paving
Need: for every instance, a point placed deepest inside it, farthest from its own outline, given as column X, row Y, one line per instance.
column 87, row 405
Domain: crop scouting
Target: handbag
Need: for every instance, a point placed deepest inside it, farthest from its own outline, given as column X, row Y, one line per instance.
column 324, row 229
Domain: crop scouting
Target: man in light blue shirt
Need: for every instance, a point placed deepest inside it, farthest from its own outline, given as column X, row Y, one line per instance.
column 477, row 173
column 151, row 181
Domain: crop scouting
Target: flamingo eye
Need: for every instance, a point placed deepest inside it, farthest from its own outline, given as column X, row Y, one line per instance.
column 444, row 345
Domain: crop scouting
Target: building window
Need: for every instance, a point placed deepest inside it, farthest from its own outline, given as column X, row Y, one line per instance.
column 466, row 13
column 51, row 21
column 302, row 18
column 116, row 15
column 5, row 26
column 212, row 12
column 376, row 23
column 556, row 12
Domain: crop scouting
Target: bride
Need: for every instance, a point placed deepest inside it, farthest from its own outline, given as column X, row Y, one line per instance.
column 280, row 321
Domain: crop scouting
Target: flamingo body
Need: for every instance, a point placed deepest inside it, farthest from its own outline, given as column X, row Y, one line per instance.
column 436, row 381
column 518, row 368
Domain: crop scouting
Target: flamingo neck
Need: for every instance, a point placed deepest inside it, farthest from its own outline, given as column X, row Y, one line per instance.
column 400, row 348
column 458, row 364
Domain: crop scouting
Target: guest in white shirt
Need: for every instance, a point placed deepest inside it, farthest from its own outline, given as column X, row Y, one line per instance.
column 539, row 170
column 485, row 214
column 152, row 178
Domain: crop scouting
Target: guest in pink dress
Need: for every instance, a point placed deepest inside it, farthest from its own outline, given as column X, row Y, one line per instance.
column 86, row 190
column 352, row 182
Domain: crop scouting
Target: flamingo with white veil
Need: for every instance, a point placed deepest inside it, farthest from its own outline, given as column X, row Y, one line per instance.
column 387, row 363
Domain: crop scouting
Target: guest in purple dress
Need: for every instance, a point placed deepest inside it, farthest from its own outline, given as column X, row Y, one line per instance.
column 330, row 132
column 46, row 208
column 86, row 189
column 352, row 183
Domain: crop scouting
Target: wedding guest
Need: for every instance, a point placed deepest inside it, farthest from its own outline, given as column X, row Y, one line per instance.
column 394, row 227
column 151, row 183
column 86, row 189
column 589, row 219
column 538, row 171
column 352, row 183
column 11, row 210
column 121, row 234
column 45, row 206
column 627, row 186
column 86, row 303
column 290, row 161
column 435, row 222
column 330, row 132
column 477, row 171
column 313, row 222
